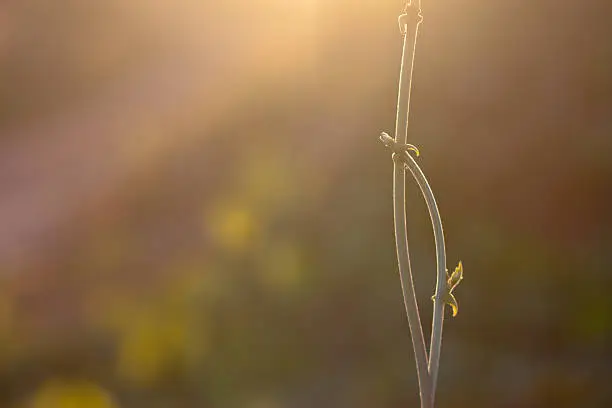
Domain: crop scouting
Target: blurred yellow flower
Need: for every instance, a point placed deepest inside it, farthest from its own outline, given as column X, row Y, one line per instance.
column 149, row 347
column 232, row 226
column 71, row 394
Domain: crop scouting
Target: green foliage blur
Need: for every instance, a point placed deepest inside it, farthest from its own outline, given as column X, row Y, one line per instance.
column 195, row 210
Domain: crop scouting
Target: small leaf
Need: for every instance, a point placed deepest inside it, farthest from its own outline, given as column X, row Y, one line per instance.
column 449, row 299
column 451, row 283
column 456, row 277
column 407, row 147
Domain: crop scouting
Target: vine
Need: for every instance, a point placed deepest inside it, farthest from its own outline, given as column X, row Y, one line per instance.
column 427, row 364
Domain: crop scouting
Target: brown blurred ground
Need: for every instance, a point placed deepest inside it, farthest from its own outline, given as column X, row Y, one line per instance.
column 195, row 210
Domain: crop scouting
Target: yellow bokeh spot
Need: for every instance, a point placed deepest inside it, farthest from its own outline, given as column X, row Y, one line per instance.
column 149, row 347
column 232, row 227
column 71, row 394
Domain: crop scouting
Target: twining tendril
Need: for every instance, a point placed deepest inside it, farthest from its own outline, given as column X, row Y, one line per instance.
column 398, row 148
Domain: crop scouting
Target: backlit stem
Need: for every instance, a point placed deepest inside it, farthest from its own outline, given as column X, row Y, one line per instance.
column 409, row 24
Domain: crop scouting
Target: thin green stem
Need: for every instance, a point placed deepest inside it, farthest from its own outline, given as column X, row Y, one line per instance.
column 427, row 364
column 410, row 302
column 438, row 313
column 409, row 29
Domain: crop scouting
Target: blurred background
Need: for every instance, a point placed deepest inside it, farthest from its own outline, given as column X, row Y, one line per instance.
column 195, row 210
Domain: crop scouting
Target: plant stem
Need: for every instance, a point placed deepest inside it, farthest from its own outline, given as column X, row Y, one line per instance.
column 438, row 313
column 410, row 302
column 399, row 203
column 427, row 365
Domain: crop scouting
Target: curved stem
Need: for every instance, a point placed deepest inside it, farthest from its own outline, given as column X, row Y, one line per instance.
column 438, row 313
